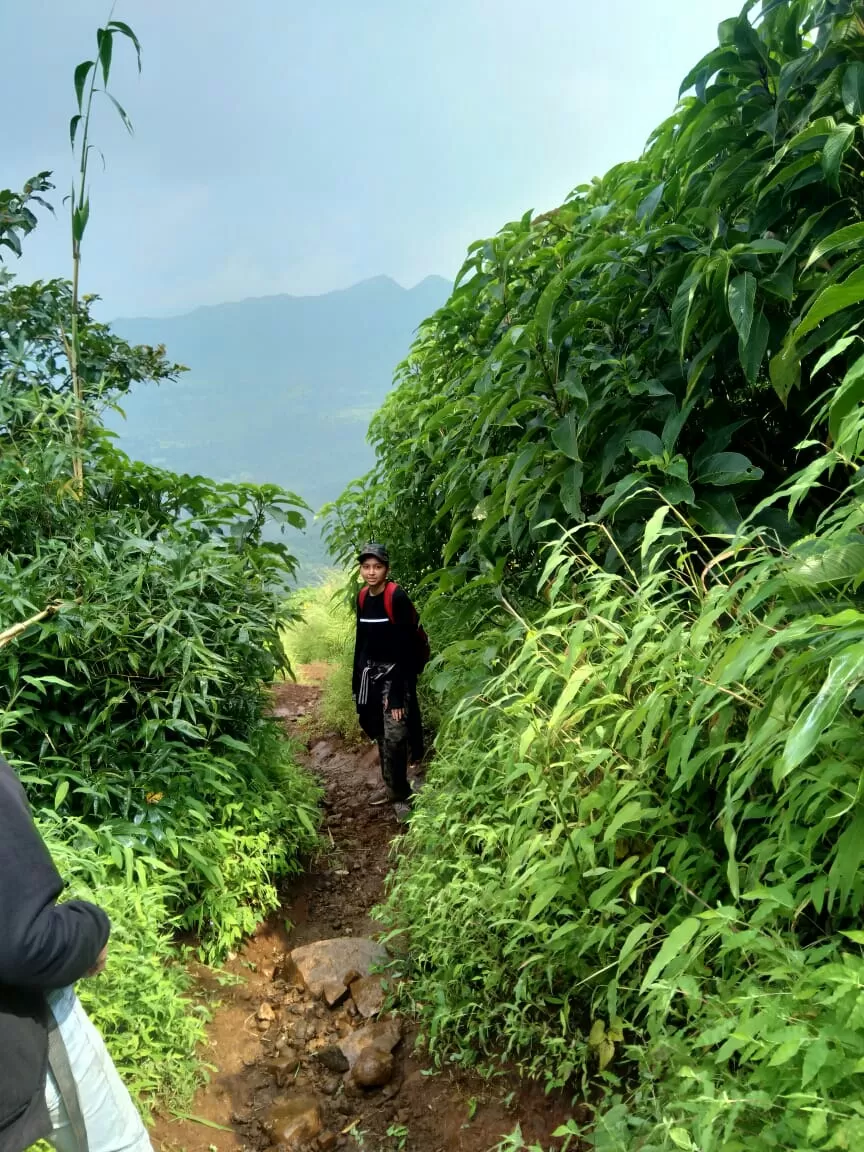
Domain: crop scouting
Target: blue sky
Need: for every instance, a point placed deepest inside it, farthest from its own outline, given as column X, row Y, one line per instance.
column 299, row 147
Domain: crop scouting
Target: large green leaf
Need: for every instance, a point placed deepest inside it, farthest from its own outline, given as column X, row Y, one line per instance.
column 847, row 397
column 674, row 944
column 741, row 297
column 565, row 436
column 785, row 371
column 836, row 147
column 831, row 300
column 752, row 351
column 844, row 675
column 853, row 88
column 839, row 241
column 644, row 445
column 726, row 468
column 827, row 565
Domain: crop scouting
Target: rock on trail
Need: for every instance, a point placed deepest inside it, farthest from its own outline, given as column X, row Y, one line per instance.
column 328, row 968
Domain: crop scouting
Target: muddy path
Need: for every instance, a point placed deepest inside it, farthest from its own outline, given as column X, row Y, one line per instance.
column 278, row 1075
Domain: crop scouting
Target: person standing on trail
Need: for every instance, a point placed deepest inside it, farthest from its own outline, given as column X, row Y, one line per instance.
column 387, row 661
column 57, row 1081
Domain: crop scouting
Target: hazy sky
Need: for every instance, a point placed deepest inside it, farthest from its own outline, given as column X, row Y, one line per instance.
column 298, row 147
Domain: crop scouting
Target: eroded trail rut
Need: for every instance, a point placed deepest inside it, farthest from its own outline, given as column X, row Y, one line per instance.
column 280, row 1076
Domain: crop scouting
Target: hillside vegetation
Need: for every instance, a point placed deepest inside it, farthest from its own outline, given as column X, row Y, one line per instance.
column 623, row 463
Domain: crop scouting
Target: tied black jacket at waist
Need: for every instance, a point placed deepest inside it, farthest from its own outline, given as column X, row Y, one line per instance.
column 43, row 946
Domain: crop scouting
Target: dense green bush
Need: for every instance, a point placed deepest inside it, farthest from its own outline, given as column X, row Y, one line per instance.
column 623, row 465
column 137, row 703
column 641, row 843
column 613, row 355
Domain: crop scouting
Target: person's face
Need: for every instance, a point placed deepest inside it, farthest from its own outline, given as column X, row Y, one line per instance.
column 373, row 572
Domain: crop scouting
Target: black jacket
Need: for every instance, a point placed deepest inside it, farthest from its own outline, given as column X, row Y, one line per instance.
column 382, row 642
column 43, row 946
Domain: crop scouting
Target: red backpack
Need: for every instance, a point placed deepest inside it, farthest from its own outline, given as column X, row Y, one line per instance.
column 422, row 652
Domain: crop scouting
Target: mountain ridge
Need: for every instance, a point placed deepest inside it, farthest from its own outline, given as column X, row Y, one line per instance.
column 432, row 280
column 279, row 388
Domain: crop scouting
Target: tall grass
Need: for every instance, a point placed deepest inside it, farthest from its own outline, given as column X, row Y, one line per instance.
column 324, row 624
column 323, row 633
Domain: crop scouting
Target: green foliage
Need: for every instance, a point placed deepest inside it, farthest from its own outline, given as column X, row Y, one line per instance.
column 141, row 614
column 324, row 624
column 323, row 632
column 140, row 1004
column 337, row 711
column 642, row 844
column 17, row 218
column 623, row 464
column 654, row 340
column 137, row 703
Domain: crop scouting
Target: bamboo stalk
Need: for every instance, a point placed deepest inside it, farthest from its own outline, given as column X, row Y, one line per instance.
column 12, row 633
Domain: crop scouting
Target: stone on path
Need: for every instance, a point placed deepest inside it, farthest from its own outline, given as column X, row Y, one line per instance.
column 373, row 1068
column 369, row 1052
column 295, row 1120
column 329, row 966
column 332, row 1057
column 368, row 994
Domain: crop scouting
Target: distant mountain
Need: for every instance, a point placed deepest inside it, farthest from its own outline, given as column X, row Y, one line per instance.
column 279, row 389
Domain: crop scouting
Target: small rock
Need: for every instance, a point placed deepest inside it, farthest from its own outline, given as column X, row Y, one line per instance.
column 335, row 993
column 301, row 1031
column 373, row 1068
column 368, row 993
column 330, row 1086
column 295, row 1120
column 327, row 1141
column 383, row 1036
column 265, row 1013
column 392, row 1090
column 333, row 1057
column 283, row 1069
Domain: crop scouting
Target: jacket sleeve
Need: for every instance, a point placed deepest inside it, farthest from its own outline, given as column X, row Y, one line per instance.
column 42, row 944
column 403, row 620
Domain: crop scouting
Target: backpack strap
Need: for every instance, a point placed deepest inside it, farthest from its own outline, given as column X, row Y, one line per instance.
column 389, row 591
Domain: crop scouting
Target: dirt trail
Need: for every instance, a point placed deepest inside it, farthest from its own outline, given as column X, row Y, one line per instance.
column 267, row 1030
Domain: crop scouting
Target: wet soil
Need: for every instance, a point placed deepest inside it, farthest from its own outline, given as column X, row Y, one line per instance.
column 266, row 1028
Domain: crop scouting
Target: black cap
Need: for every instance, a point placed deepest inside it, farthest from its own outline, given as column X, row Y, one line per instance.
column 378, row 551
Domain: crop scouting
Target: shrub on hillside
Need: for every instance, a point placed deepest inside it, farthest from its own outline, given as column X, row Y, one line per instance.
column 136, row 701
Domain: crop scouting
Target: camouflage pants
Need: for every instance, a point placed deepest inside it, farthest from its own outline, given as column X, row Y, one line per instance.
column 391, row 736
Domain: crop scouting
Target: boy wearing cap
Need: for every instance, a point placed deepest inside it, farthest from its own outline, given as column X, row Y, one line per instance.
column 384, row 680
